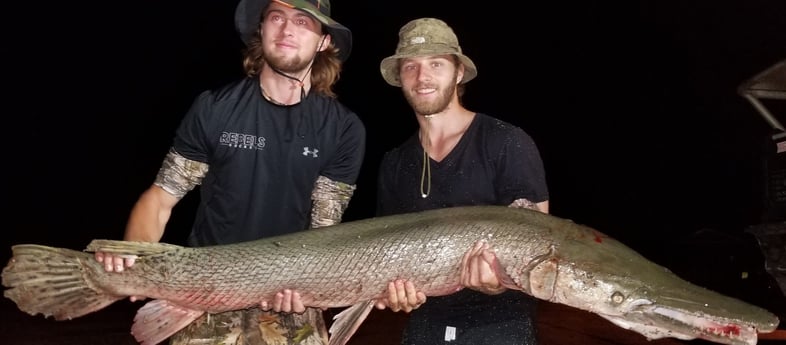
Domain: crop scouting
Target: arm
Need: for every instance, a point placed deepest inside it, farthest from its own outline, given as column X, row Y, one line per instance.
column 150, row 215
column 177, row 176
column 329, row 200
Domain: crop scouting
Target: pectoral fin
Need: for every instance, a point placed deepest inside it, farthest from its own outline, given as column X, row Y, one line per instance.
column 348, row 321
column 160, row 319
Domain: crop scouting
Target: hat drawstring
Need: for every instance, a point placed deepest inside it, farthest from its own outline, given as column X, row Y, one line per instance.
column 425, row 175
column 302, row 86
column 300, row 81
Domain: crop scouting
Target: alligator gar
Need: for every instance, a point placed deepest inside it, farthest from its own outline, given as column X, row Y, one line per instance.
column 350, row 264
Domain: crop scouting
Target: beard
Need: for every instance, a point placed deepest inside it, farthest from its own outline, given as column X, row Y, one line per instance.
column 425, row 107
column 293, row 65
column 438, row 105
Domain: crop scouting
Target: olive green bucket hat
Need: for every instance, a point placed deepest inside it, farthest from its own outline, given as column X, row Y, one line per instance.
column 423, row 37
column 249, row 13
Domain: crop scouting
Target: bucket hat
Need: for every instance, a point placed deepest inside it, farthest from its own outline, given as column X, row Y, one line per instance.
column 423, row 37
column 249, row 12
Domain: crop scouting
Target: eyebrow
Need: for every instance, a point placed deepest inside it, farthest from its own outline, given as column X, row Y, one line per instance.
column 299, row 13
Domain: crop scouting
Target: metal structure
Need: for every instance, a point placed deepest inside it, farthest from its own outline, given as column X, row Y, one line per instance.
column 770, row 86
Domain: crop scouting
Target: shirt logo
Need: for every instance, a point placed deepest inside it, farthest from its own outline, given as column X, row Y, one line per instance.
column 307, row 152
column 243, row 141
column 450, row 333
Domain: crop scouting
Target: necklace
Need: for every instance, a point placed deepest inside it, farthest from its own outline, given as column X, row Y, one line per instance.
column 425, row 175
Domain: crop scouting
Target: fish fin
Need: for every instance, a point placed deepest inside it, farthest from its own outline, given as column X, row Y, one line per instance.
column 130, row 247
column 348, row 321
column 49, row 281
column 159, row 319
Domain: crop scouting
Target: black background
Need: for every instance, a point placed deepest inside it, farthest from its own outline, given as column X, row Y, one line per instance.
column 633, row 105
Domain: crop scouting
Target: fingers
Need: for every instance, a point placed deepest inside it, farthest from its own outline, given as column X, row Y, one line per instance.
column 392, row 301
column 414, row 298
column 469, row 265
column 286, row 301
column 381, row 304
column 137, row 298
column 278, row 301
column 477, row 272
column 115, row 263
column 402, row 295
column 297, row 304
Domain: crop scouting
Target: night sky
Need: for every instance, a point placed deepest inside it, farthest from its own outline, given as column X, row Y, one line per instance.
column 633, row 105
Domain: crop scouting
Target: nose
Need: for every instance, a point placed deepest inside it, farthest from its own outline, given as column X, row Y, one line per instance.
column 287, row 26
column 423, row 74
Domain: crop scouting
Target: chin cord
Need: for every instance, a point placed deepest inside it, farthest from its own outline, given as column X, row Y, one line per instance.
column 425, row 175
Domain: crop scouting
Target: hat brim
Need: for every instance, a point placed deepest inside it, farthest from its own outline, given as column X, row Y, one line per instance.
column 249, row 13
column 389, row 65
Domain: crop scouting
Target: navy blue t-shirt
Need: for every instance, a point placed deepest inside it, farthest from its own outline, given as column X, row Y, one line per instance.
column 264, row 159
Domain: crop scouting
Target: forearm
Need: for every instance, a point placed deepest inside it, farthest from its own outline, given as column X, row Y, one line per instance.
column 329, row 200
column 177, row 176
column 150, row 215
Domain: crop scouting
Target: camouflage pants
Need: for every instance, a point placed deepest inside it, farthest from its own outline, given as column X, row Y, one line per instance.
column 255, row 327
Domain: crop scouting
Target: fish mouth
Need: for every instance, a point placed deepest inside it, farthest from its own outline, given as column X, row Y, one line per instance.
column 656, row 321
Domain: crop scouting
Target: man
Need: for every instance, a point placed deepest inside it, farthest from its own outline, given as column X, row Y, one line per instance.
column 274, row 153
column 458, row 157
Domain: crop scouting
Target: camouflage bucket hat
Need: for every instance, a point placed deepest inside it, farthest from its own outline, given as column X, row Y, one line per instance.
column 249, row 13
column 423, row 37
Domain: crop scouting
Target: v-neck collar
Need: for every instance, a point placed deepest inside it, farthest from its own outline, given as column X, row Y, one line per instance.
column 456, row 150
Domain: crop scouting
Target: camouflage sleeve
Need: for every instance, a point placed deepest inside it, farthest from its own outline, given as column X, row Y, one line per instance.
column 329, row 201
column 179, row 175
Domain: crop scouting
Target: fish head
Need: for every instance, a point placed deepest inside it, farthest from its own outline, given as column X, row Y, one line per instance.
column 618, row 284
column 688, row 313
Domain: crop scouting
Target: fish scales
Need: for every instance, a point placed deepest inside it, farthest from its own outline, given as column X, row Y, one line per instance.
column 350, row 264
column 330, row 267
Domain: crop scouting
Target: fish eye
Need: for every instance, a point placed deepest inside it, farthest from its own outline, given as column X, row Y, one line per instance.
column 617, row 297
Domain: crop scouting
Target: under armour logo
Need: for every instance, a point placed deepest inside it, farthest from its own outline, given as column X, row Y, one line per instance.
column 307, row 152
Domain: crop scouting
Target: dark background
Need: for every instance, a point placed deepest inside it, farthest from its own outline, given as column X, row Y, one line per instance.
column 633, row 106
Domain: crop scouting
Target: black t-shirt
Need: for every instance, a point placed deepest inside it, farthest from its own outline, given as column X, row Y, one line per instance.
column 264, row 159
column 494, row 163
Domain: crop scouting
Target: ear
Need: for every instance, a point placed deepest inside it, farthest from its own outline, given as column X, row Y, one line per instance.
column 324, row 42
column 460, row 73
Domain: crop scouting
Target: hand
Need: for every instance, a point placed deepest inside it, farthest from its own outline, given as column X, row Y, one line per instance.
column 478, row 270
column 117, row 263
column 285, row 301
column 402, row 296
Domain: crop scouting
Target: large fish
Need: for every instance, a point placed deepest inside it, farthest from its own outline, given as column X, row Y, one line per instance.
column 350, row 264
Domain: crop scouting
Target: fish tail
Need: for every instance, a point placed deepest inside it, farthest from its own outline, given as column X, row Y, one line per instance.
column 51, row 281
